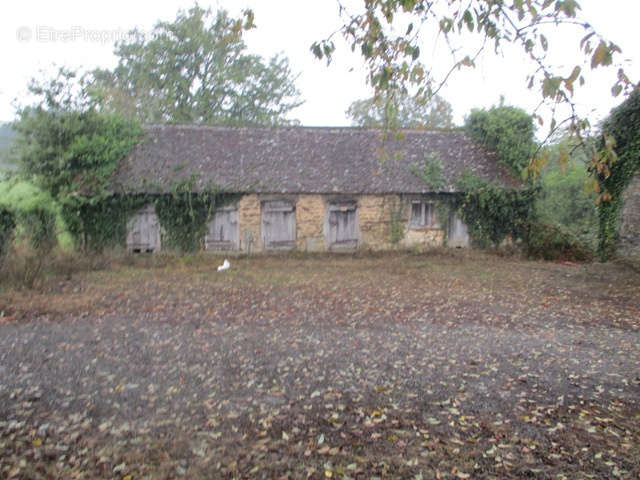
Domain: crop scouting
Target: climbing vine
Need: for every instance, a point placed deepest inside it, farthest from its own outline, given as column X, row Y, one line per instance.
column 101, row 223
column 396, row 221
column 184, row 213
column 613, row 168
column 446, row 207
column 491, row 211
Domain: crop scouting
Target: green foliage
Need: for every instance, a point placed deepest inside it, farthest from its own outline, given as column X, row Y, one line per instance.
column 100, row 223
column 6, row 138
column 446, row 206
column 491, row 212
column 72, row 153
column 7, row 225
column 551, row 241
column 196, row 70
column 507, row 130
column 400, row 110
column 40, row 228
column 383, row 32
column 183, row 216
column 396, row 222
column 564, row 201
column 81, row 183
column 614, row 167
column 430, row 172
column 34, row 213
column 71, row 150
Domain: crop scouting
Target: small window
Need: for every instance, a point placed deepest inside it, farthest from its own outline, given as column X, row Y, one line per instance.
column 422, row 214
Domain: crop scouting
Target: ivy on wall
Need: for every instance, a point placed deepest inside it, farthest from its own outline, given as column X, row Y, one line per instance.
column 184, row 214
column 396, row 221
column 446, row 206
column 617, row 161
column 491, row 212
column 101, row 223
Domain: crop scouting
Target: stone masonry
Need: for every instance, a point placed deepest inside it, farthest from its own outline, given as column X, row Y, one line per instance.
column 383, row 223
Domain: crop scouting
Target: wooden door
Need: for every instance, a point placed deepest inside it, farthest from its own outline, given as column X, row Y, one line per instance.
column 222, row 230
column 143, row 231
column 278, row 225
column 457, row 235
column 343, row 231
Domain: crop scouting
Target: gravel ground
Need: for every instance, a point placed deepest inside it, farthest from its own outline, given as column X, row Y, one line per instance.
column 439, row 366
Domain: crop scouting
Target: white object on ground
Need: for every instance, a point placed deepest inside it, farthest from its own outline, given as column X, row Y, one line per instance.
column 225, row 265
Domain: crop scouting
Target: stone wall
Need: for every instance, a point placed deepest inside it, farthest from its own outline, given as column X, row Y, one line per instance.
column 249, row 223
column 383, row 223
column 310, row 216
column 629, row 240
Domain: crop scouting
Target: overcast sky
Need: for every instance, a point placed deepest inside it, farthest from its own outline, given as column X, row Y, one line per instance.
column 290, row 26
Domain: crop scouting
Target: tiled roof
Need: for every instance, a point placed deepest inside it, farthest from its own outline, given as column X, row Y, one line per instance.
column 300, row 160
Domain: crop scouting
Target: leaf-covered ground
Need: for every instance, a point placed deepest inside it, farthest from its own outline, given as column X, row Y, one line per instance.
column 449, row 365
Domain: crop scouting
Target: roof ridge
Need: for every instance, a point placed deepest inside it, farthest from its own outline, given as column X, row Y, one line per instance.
column 197, row 126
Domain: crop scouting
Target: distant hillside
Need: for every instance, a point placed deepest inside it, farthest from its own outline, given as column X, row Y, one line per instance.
column 7, row 134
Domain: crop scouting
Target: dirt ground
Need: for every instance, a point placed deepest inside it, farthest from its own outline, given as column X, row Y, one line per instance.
column 445, row 365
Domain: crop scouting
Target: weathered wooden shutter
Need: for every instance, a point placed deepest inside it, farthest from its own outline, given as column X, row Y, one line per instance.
column 343, row 231
column 222, row 230
column 143, row 231
column 278, row 225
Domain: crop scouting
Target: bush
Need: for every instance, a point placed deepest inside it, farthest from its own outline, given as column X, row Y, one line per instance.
column 492, row 212
column 39, row 226
column 563, row 202
column 35, row 214
column 551, row 242
column 23, row 266
column 7, row 225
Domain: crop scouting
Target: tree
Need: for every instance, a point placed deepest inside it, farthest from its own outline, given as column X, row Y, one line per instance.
column 564, row 200
column 394, row 59
column 196, row 70
column 70, row 149
column 507, row 130
column 402, row 111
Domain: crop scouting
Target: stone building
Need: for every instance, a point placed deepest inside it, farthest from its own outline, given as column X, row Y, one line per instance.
column 310, row 189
